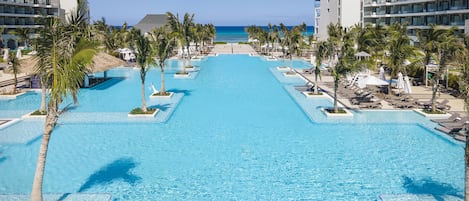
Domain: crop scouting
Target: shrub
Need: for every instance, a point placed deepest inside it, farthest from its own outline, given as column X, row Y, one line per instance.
column 140, row 111
column 331, row 110
column 221, row 43
column 37, row 112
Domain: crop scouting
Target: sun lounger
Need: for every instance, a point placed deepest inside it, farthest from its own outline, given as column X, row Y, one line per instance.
column 443, row 105
column 453, row 118
column 307, row 87
column 447, row 130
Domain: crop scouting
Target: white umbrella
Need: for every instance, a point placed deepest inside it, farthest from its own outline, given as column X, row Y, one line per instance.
column 400, row 81
column 365, row 80
column 313, row 58
column 18, row 53
column 381, row 73
column 5, row 54
column 407, row 86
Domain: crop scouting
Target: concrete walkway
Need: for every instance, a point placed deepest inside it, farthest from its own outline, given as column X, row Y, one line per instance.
column 418, row 92
column 233, row 48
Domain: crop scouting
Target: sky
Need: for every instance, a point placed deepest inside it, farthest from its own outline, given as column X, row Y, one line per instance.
column 217, row 12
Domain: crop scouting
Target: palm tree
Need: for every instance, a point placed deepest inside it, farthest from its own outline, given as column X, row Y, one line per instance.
column 293, row 38
column 15, row 65
column 429, row 40
column 144, row 59
column 448, row 50
column 184, row 33
column 164, row 44
column 399, row 50
column 70, row 58
column 320, row 53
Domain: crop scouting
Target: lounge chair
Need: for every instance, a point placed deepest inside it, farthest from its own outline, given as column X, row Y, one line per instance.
column 448, row 130
column 307, row 87
column 443, row 105
column 453, row 118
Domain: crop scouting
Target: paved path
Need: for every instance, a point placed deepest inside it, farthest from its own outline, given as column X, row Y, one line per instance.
column 418, row 92
column 233, row 48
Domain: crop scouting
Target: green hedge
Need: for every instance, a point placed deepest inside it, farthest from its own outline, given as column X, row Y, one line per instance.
column 140, row 111
column 221, row 43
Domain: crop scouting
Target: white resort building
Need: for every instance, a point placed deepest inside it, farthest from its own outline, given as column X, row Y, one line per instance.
column 345, row 12
column 417, row 14
column 16, row 14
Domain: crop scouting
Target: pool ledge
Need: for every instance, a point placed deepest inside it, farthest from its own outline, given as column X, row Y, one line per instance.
column 14, row 96
column 307, row 95
column 432, row 116
column 63, row 197
column 9, row 123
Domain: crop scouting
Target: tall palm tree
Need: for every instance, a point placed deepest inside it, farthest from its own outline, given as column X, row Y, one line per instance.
column 70, row 57
column 448, row 50
column 15, row 65
column 400, row 50
column 429, row 41
column 320, row 52
column 164, row 44
column 144, row 59
column 293, row 39
column 184, row 32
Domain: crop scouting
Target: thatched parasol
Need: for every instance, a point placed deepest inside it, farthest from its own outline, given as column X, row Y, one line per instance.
column 102, row 62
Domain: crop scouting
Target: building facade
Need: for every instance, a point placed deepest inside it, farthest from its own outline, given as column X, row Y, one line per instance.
column 345, row 12
column 417, row 14
column 16, row 14
column 317, row 15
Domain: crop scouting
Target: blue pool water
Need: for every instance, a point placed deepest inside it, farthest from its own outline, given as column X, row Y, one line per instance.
column 238, row 131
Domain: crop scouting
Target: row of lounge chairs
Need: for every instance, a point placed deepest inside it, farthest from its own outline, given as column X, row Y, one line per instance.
column 454, row 126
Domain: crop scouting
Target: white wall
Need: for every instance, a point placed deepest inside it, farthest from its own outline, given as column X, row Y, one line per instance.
column 68, row 5
column 350, row 12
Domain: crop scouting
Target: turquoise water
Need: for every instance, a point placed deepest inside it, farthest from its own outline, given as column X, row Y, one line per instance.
column 237, row 131
column 233, row 34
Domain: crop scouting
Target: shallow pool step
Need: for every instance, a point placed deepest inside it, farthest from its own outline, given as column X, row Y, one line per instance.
column 417, row 197
column 61, row 197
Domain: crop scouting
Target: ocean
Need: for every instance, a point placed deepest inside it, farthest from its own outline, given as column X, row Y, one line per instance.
column 233, row 34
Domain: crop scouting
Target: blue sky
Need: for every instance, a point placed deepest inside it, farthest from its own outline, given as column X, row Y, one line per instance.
column 217, row 12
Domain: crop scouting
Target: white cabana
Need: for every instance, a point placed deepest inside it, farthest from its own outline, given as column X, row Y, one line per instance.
column 382, row 73
column 407, row 86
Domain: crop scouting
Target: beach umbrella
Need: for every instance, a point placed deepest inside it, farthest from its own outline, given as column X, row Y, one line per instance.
column 18, row 53
column 369, row 80
column 381, row 73
column 400, row 81
column 407, row 86
column 5, row 54
column 312, row 59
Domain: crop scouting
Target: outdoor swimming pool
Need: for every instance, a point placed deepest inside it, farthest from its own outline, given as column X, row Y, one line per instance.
column 236, row 131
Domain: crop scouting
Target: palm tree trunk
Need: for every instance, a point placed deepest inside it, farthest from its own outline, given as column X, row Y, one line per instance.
column 189, row 56
column 434, row 90
column 316, row 83
column 51, row 120
column 163, row 90
column 336, row 86
column 42, row 109
column 144, row 104
column 16, row 83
